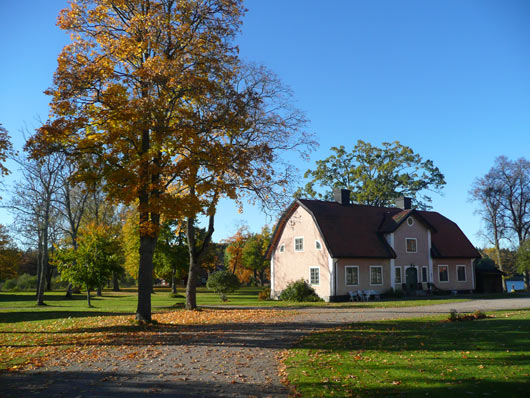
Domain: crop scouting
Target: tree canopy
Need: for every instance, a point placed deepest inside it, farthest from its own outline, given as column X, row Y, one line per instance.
column 375, row 175
column 154, row 91
column 6, row 148
column 92, row 263
column 10, row 256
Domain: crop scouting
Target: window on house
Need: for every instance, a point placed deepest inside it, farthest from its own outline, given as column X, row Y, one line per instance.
column 352, row 275
column 298, row 244
column 282, row 248
column 424, row 277
column 411, row 245
column 318, row 246
column 398, row 275
column 410, row 221
column 461, row 273
column 443, row 273
column 314, row 275
column 376, row 275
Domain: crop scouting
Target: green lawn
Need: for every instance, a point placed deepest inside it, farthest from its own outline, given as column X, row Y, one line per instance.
column 125, row 301
column 416, row 358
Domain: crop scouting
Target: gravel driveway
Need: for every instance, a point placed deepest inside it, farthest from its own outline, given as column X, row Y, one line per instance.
column 227, row 360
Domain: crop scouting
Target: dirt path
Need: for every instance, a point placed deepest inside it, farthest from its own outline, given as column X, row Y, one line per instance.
column 227, row 360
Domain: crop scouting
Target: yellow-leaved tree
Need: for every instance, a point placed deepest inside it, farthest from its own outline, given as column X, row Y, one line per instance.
column 155, row 92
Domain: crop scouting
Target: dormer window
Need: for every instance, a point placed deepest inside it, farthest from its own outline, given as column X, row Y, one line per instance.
column 318, row 246
column 410, row 221
column 411, row 245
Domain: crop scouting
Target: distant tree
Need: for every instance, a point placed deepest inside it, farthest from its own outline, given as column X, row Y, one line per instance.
column 223, row 282
column 504, row 194
column 33, row 204
column 171, row 253
column 6, row 150
column 488, row 192
column 10, row 255
column 375, row 175
column 253, row 254
column 508, row 259
column 98, row 255
column 233, row 258
column 523, row 259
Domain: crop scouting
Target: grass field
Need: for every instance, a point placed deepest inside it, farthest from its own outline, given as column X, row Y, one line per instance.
column 416, row 358
column 125, row 302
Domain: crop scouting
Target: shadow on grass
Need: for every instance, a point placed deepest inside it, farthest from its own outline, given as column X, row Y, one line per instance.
column 417, row 387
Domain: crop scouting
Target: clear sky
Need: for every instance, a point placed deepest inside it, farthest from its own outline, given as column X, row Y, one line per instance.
column 451, row 79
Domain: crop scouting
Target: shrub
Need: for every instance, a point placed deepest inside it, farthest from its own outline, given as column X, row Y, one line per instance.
column 223, row 282
column 9, row 284
column 454, row 316
column 265, row 294
column 299, row 291
column 27, row 282
column 479, row 315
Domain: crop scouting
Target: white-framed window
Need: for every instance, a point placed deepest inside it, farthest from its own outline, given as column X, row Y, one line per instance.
column 410, row 244
column 314, row 275
column 461, row 273
column 299, row 244
column 424, row 274
column 397, row 275
column 351, row 275
column 282, row 248
column 443, row 273
column 376, row 275
column 318, row 246
column 410, row 221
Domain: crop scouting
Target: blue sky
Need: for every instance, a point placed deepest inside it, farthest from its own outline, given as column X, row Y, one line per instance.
column 448, row 78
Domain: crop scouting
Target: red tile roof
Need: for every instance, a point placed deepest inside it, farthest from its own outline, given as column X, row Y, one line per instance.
column 358, row 231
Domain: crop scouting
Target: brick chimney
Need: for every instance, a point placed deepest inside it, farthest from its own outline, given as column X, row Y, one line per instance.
column 342, row 196
column 404, row 203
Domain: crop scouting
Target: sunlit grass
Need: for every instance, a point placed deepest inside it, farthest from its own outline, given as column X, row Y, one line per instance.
column 416, row 358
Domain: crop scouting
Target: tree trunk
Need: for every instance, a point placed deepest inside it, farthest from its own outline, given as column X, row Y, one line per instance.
column 98, row 292
column 526, row 278
column 191, row 287
column 115, row 282
column 39, row 264
column 174, row 281
column 69, row 294
column 49, row 279
column 195, row 255
column 145, row 278
column 88, row 297
column 44, row 271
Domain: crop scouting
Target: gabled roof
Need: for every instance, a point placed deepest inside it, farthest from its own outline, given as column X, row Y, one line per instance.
column 358, row 231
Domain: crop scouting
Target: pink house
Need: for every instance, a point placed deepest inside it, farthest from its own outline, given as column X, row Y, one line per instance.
column 339, row 247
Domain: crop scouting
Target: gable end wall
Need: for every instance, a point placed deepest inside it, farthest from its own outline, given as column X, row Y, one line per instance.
column 290, row 266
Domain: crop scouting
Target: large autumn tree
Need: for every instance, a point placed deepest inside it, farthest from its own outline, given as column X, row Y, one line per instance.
column 375, row 175
column 154, row 91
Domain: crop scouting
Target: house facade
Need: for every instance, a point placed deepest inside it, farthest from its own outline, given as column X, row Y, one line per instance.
column 338, row 247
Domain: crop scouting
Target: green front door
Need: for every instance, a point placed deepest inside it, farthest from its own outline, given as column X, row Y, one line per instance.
column 412, row 279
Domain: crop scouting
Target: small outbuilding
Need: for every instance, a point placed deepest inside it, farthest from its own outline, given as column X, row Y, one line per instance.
column 488, row 277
